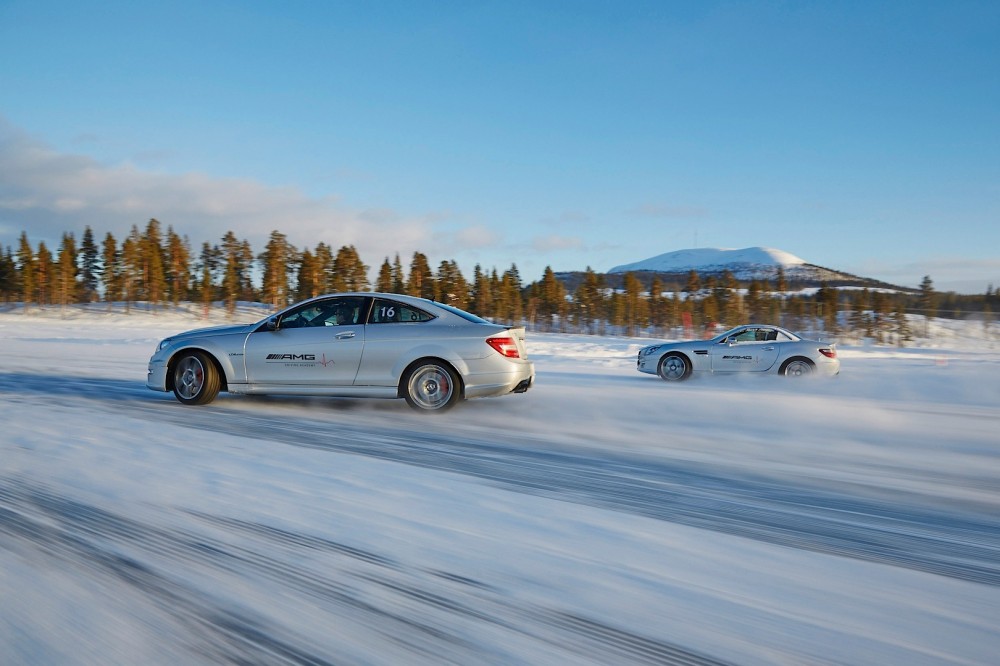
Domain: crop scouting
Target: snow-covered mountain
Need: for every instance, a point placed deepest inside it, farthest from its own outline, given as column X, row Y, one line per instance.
column 748, row 262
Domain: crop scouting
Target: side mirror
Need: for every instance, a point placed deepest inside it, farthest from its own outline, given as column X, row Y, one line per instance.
column 272, row 324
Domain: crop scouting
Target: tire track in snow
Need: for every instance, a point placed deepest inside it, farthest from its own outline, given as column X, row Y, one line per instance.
column 421, row 612
column 907, row 532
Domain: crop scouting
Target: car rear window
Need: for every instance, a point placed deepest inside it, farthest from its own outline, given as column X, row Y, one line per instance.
column 462, row 313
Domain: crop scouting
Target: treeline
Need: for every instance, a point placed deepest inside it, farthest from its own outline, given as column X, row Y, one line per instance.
column 159, row 267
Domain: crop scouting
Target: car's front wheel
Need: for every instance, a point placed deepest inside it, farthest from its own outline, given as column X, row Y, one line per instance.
column 431, row 386
column 195, row 378
column 674, row 368
column 797, row 367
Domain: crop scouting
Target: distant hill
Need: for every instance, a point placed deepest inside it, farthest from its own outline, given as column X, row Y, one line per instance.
column 744, row 264
column 752, row 263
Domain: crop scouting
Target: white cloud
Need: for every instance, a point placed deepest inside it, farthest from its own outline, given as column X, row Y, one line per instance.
column 47, row 193
column 476, row 237
column 555, row 243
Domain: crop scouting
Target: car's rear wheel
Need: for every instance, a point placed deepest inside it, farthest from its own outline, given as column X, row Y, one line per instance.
column 195, row 379
column 432, row 386
column 797, row 367
column 674, row 368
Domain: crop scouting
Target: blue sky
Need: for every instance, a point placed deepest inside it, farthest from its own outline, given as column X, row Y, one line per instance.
column 862, row 136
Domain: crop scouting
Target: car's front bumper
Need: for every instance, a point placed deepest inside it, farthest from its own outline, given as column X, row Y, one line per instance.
column 156, row 375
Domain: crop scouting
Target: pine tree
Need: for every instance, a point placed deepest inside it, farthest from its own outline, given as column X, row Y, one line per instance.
column 8, row 276
column 233, row 276
column 89, row 267
column 277, row 260
column 209, row 261
column 858, row 320
column 510, row 287
column 880, row 311
column 901, row 325
column 398, row 278
column 551, row 299
column 178, row 269
column 451, row 285
column 64, row 274
column 44, row 274
column 693, row 285
column 132, row 267
column 246, row 257
column 656, row 304
column 26, row 268
column 153, row 279
column 636, row 309
column 324, row 273
column 383, row 283
column 674, row 313
column 928, row 302
column 780, row 281
column 421, row 280
column 755, row 301
column 111, row 269
column 350, row 273
column 482, row 295
column 827, row 302
column 311, row 280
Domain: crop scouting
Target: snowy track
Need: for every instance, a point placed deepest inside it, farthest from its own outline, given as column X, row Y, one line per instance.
column 601, row 518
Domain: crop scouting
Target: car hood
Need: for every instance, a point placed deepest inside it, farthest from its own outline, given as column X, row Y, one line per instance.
column 228, row 329
column 684, row 344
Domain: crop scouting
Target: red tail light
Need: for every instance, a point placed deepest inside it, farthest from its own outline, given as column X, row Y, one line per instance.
column 829, row 353
column 505, row 346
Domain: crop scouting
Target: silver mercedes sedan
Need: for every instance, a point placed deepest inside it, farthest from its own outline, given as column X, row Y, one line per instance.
column 748, row 348
column 355, row 345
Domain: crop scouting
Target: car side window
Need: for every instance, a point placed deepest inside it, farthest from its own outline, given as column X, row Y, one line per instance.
column 746, row 335
column 385, row 311
column 331, row 312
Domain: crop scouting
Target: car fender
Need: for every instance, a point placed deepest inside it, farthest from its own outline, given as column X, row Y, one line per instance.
column 229, row 361
column 429, row 350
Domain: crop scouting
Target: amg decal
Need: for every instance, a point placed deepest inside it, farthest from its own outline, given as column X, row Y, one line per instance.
column 291, row 357
column 737, row 358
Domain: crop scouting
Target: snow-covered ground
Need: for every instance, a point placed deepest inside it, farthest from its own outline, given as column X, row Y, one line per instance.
column 604, row 517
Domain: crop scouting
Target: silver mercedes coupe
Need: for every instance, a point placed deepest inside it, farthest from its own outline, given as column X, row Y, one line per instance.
column 367, row 345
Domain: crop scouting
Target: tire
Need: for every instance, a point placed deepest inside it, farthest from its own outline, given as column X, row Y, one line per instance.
column 195, row 378
column 674, row 367
column 431, row 386
column 797, row 366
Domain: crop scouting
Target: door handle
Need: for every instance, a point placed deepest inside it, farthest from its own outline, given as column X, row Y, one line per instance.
column 346, row 335
column 771, row 348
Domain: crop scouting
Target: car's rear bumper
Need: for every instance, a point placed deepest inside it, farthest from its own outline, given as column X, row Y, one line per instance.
column 828, row 367
column 514, row 378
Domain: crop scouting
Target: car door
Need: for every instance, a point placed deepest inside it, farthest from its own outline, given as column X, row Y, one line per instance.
column 394, row 331
column 746, row 350
column 317, row 344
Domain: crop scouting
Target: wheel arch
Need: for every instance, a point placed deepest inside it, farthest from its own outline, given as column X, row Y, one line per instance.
column 172, row 363
column 404, row 376
column 681, row 353
column 792, row 359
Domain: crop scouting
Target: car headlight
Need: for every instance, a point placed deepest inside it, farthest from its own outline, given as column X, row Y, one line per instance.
column 163, row 343
column 650, row 350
